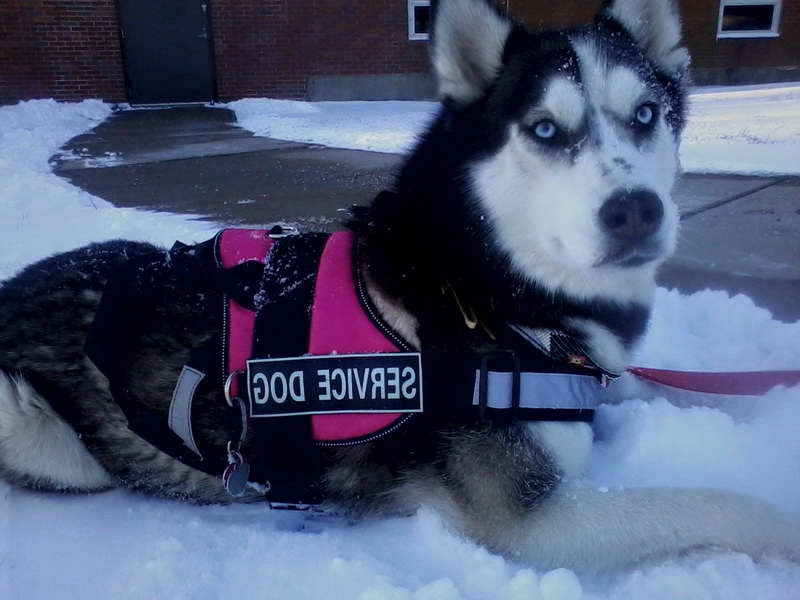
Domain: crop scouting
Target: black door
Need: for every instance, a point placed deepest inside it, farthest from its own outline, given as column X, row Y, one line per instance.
column 167, row 45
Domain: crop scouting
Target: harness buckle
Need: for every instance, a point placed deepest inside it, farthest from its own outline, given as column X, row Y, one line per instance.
column 281, row 230
column 483, row 383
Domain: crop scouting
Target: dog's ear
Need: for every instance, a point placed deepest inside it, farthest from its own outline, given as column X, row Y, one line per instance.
column 656, row 27
column 467, row 47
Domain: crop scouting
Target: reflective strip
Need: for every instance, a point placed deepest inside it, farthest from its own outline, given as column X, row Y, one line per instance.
column 541, row 390
column 180, row 409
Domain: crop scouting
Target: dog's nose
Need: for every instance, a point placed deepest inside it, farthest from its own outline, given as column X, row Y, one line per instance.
column 632, row 216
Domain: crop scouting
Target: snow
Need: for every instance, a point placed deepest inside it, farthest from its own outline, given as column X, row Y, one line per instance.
column 754, row 130
column 749, row 129
column 124, row 546
column 386, row 126
column 40, row 213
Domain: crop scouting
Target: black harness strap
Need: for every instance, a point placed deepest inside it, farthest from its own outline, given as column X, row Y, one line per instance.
column 449, row 382
column 130, row 301
column 282, row 451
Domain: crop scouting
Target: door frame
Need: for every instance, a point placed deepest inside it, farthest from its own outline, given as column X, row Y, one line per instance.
column 210, row 40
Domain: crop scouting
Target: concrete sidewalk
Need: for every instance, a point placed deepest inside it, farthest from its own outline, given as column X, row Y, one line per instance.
column 196, row 161
column 740, row 234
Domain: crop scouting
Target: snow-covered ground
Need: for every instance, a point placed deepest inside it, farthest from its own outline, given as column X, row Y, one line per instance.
column 40, row 213
column 752, row 129
column 123, row 546
column 755, row 129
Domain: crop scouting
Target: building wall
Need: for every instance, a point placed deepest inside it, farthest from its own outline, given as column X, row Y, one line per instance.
column 553, row 13
column 64, row 49
column 728, row 60
column 275, row 47
column 741, row 60
column 70, row 49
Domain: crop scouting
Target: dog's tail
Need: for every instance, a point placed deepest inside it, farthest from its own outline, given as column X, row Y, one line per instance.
column 590, row 530
column 38, row 449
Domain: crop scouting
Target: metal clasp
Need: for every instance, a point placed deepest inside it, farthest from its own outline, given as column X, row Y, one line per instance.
column 281, row 230
column 483, row 383
column 227, row 387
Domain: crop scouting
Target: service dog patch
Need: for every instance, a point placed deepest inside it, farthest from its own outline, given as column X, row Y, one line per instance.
column 338, row 383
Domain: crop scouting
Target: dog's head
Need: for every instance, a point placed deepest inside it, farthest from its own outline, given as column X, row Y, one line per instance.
column 578, row 148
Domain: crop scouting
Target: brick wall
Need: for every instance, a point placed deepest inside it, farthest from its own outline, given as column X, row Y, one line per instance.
column 64, row 49
column 70, row 49
column 273, row 47
column 553, row 13
column 700, row 32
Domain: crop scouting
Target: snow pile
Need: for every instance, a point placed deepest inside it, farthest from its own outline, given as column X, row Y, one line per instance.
column 31, row 131
column 390, row 126
column 123, row 546
column 711, row 331
column 745, row 444
column 753, row 129
column 41, row 214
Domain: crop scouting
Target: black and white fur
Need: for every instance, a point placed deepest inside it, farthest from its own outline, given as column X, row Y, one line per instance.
column 540, row 196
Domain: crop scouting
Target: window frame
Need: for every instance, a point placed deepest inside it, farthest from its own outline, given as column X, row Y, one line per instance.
column 772, row 32
column 412, row 31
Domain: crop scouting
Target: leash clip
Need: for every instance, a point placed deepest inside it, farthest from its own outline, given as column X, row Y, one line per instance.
column 236, row 476
column 483, row 383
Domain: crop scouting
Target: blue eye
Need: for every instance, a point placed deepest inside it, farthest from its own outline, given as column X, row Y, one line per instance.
column 544, row 129
column 645, row 114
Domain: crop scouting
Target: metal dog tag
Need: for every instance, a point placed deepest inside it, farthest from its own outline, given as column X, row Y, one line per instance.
column 236, row 475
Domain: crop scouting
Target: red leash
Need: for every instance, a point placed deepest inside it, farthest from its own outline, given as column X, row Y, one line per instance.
column 743, row 383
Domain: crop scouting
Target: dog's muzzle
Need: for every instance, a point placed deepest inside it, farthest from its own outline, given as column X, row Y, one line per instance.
column 631, row 220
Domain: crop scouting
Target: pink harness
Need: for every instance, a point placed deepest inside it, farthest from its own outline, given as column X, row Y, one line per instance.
column 338, row 323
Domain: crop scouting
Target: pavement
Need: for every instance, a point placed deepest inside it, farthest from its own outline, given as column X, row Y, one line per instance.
column 740, row 234
column 195, row 160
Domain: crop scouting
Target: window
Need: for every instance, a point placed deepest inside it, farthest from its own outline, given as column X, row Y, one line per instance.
column 419, row 19
column 743, row 19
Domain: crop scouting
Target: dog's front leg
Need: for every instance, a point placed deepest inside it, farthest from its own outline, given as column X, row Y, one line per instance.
column 486, row 480
column 510, row 490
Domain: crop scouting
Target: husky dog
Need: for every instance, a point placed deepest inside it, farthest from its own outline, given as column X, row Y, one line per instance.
column 540, row 196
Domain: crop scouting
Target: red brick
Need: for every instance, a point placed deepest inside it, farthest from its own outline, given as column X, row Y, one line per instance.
column 700, row 31
column 272, row 47
column 69, row 49
column 65, row 49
